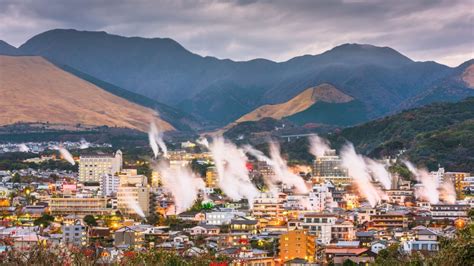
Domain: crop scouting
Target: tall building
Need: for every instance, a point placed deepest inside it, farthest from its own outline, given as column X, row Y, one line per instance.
column 297, row 244
column 320, row 198
column 109, row 185
column 93, row 167
column 320, row 225
column 329, row 168
column 74, row 234
column 268, row 206
column 457, row 179
column 133, row 195
column 212, row 178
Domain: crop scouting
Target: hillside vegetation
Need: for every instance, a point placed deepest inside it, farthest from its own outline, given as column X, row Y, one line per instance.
column 438, row 133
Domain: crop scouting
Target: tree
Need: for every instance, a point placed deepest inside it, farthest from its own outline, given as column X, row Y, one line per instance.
column 90, row 220
column 16, row 178
column 44, row 220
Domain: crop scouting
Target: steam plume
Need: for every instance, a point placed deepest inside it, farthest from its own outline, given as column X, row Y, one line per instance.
column 280, row 168
column 84, row 144
column 430, row 184
column 23, row 148
column 133, row 204
column 318, row 146
column 65, row 154
column 203, row 141
column 182, row 183
column 155, row 138
column 379, row 173
column 448, row 192
column 358, row 170
column 282, row 172
column 233, row 174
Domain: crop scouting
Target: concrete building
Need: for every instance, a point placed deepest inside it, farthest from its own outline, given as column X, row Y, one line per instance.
column 268, row 206
column 78, row 206
column 134, row 195
column 212, row 178
column 109, row 185
column 329, row 168
column 319, row 225
column 449, row 211
column 93, row 167
column 320, row 198
column 74, row 234
column 222, row 216
column 297, row 244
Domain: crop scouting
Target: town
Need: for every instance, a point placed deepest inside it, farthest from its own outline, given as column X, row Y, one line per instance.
column 230, row 205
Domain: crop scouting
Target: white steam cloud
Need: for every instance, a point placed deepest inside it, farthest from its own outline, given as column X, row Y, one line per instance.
column 155, row 138
column 359, row 171
column 182, row 183
column 133, row 204
column 84, row 144
column 448, row 192
column 318, row 146
column 65, row 154
column 280, row 168
column 203, row 141
column 23, row 148
column 379, row 173
column 233, row 174
column 430, row 184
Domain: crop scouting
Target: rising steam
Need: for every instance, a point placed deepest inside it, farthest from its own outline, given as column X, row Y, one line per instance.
column 155, row 138
column 65, row 154
column 233, row 174
column 182, row 183
column 379, row 173
column 203, row 141
column 280, row 168
column 359, row 171
column 84, row 144
column 430, row 184
column 318, row 146
column 448, row 192
column 23, row 148
column 133, row 204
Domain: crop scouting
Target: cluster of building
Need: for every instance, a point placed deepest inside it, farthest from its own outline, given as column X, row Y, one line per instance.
column 330, row 224
column 38, row 147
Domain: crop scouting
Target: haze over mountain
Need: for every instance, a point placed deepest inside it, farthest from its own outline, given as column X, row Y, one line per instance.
column 34, row 90
column 380, row 79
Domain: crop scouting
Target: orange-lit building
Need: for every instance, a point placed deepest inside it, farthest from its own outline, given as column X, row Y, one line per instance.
column 297, row 244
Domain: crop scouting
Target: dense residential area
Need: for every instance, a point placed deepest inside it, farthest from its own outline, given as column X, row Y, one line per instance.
column 107, row 213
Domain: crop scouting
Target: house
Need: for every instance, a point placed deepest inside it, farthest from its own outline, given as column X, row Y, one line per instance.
column 420, row 245
column 243, row 225
column 365, row 237
column 74, row 234
column 338, row 255
column 377, row 246
column 192, row 216
column 204, row 229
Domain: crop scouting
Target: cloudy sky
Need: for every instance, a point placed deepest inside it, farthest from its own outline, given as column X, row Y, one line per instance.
column 439, row 30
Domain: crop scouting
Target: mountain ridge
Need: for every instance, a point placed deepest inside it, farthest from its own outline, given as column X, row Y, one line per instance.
column 45, row 93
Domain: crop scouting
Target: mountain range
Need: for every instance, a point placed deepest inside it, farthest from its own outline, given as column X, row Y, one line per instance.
column 370, row 81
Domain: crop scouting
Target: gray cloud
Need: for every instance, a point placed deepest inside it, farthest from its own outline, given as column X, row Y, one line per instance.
column 440, row 30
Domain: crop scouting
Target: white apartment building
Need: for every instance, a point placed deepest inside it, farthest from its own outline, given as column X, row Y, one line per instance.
column 93, row 167
column 109, row 185
column 133, row 195
column 74, row 234
column 320, row 198
column 320, row 225
column 222, row 216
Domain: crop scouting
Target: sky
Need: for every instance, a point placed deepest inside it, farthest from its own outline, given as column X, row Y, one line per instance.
column 424, row 30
